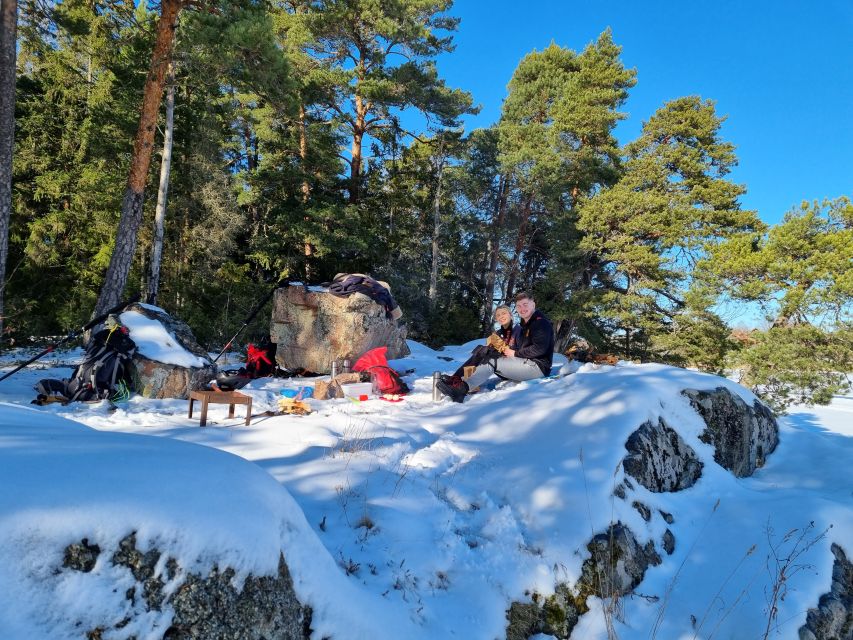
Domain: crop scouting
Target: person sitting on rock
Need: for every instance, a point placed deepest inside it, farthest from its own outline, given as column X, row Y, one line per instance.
column 531, row 358
column 507, row 334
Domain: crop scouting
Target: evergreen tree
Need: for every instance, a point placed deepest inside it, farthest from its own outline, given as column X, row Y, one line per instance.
column 643, row 236
column 77, row 93
column 801, row 273
column 485, row 192
column 557, row 146
column 379, row 57
column 417, row 216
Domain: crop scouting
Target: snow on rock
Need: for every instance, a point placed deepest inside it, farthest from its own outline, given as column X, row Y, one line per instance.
column 169, row 362
column 160, row 337
column 435, row 519
column 833, row 617
column 131, row 536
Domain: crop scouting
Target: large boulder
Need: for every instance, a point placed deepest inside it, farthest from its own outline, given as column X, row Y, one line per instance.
column 742, row 436
column 313, row 327
column 179, row 375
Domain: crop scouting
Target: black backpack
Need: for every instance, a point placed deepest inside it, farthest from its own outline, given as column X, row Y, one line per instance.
column 104, row 373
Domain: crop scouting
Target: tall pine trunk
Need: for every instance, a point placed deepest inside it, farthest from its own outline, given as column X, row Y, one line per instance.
column 494, row 249
column 143, row 145
column 307, row 248
column 355, row 160
column 519, row 246
column 436, row 229
column 162, row 193
column 8, row 27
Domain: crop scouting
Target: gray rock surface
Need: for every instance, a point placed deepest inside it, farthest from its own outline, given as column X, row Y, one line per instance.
column 82, row 556
column 204, row 607
column 833, row 617
column 617, row 564
column 668, row 542
column 742, row 436
column 660, row 460
column 312, row 328
column 160, row 380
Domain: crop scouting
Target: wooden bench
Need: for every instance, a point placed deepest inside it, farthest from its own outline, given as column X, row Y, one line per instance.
column 231, row 398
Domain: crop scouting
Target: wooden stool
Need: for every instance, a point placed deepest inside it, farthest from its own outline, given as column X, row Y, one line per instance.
column 230, row 398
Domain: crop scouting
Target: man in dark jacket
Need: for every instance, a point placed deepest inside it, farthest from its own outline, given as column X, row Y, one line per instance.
column 530, row 359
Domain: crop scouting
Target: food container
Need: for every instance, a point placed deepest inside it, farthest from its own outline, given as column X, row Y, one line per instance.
column 306, row 392
column 357, row 390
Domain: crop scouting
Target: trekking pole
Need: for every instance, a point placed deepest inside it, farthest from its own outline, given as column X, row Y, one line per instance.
column 251, row 316
column 73, row 335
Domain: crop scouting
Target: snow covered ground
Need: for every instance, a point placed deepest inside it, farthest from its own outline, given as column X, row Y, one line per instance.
column 417, row 519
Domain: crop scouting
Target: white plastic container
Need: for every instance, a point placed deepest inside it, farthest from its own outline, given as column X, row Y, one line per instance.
column 357, row 390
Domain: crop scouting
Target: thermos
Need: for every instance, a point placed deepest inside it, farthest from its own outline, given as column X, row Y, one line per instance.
column 346, row 368
column 436, row 393
column 334, row 368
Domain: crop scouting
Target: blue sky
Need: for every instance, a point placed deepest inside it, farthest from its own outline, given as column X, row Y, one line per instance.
column 781, row 71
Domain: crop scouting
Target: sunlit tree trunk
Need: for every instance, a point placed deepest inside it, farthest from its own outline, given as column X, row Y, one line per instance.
column 494, row 249
column 307, row 249
column 436, row 229
column 162, row 193
column 519, row 246
column 359, row 130
column 143, row 145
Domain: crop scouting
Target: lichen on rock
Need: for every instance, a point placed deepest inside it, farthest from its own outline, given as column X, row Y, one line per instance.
column 202, row 607
column 742, row 435
column 833, row 617
column 660, row 460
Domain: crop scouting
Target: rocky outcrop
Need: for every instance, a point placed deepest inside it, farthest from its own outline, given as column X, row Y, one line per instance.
column 660, row 460
column 313, row 328
column 204, row 607
column 742, row 436
column 617, row 564
column 162, row 380
column 833, row 617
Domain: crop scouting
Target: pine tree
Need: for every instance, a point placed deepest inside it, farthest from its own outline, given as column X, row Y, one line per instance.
column 643, row 236
column 379, row 57
column 801, row 273
column 77, row 92
column 557, row 146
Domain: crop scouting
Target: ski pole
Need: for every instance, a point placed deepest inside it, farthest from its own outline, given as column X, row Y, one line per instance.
column 73, row 335
column 251, row 316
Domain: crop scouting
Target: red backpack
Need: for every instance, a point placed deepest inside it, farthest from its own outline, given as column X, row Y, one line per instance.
column 385, row 378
